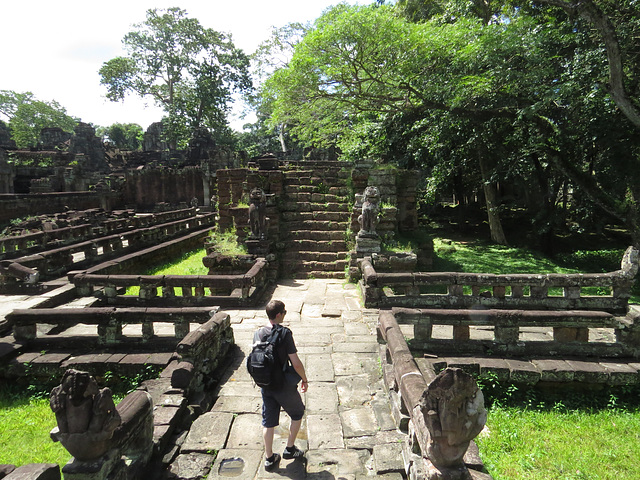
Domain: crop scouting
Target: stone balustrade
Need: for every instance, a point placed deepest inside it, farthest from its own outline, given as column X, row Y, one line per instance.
column 60, row 260
column 408, row 387
column 514, row 291
column 175, row 290
column 37, row 241
column 502, row 332
column 109, row 321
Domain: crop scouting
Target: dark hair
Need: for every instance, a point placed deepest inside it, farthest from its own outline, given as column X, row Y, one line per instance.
column 274, row 307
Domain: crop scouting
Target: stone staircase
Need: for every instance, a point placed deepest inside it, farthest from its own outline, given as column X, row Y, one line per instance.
column 316, row 218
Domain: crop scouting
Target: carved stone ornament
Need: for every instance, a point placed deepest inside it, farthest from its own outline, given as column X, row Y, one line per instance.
column 258, row 214
column 453, row 409
column 86, row 416
column 369, row 218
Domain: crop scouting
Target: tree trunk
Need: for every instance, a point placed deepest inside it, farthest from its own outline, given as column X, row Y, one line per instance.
column 491, row 199
column 283, row 145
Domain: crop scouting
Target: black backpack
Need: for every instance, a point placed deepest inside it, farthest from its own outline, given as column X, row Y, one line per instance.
column 263, row 363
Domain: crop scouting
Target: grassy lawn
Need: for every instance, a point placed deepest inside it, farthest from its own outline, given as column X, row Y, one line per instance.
column 189, row 264
column 25, row 424
column 526, row 444
column 484, row 257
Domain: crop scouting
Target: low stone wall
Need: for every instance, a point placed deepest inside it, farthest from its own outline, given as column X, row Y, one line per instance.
column 227, row 290
column 385, row 290
column 17, row 205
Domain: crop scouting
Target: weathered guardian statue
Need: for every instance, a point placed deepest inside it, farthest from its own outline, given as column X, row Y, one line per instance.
column 369, row 218
column 86, row 415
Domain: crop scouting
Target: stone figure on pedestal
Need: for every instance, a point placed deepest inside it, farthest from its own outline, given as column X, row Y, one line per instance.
column 369, row 218
column 258, row 214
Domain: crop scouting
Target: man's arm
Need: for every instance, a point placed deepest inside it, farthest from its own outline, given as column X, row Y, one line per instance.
column 299, row 368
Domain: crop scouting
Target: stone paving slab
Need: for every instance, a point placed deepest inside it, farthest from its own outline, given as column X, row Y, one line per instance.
column 322, row 398
column 244, row 433
column 208, row 433
column 237, row 405
column 241, row 464
column 325, row 431
column 358, row 422
column 319, row 368
column 340, row 463
column 353, row 390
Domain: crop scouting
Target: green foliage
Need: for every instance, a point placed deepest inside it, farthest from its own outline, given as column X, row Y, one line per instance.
column 189, row 70
column 444, row 84
column 27, row 116
column 226, row 242
column 528, row 429
column 485, row 257
column 125, row 136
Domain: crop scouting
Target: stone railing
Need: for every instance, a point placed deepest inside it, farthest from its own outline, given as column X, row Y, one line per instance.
column 58, row 261
column 502, row 332
column 109, row 322
column 32, row 242
column 176, row 290
column 517, row 291
column 410, row 392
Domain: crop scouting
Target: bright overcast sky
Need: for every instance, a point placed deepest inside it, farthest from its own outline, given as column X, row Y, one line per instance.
column 55, row 49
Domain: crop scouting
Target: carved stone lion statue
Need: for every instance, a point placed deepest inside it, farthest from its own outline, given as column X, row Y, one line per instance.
column 258, row 214
column 369, row 217
column 86, row 415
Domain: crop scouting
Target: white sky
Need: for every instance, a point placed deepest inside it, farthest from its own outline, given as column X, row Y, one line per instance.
column 55, row 49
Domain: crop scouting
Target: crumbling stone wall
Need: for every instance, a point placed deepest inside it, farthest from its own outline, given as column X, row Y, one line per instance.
column 146, row 187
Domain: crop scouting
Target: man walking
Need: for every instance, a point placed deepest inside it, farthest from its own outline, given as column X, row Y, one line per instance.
column 286, row 396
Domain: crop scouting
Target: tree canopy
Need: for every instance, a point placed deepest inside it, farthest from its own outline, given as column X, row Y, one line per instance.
column 541, row 95
column 188, row 70
column 27, row 116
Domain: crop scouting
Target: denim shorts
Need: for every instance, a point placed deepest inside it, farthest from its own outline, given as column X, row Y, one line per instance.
column 288, row 397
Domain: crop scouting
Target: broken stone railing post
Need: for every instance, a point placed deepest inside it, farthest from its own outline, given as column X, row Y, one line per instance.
column 105, row 441
column 446, row 411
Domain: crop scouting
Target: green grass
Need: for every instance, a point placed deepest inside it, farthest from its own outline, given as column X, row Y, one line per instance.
column 227, row 242
column 561, row 445
column 25, row 424
column 533, row 434
column 188, row 264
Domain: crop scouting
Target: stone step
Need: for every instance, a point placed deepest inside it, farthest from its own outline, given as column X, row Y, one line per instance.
column 317, row 235
column 316, row 225
column 292, row 206
column 314, row 197
column 309, row 266
column 315, row 274
column 314, row 256
column 302, row 245
column 319, row 216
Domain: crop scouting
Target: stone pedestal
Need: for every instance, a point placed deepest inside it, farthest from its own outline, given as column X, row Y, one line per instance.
column 258, row 247
column 91, row 470
column 367, row 244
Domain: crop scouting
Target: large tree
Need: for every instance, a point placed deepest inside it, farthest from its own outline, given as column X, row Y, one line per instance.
column 190, row 71
column 520, row 91
column 27, row 116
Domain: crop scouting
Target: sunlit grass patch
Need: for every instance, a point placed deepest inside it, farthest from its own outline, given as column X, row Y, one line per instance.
column 25, row 424
column 555, row 444
column 188, row 264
